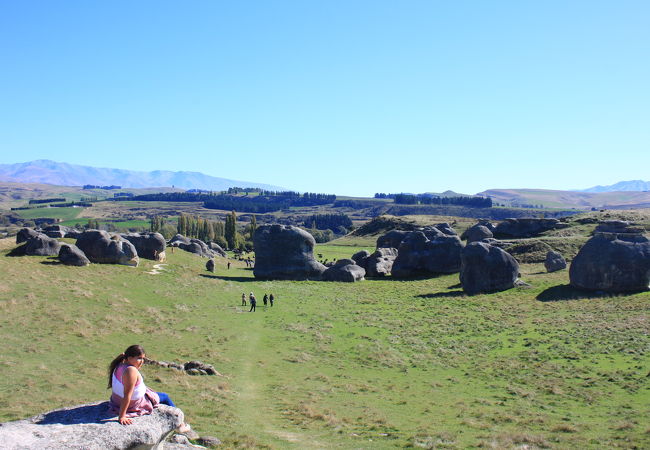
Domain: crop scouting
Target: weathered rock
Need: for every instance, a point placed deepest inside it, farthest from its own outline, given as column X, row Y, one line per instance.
column 26, row 234
column 148, row 245
column 486, row 268
column 380, row 263
column 618, row 227
column 70, row 255
column 209, row 266
column 180, row 439
column 554, row 261
column 100, row 247
column 526, row 227
column 209, row 441
column 417, row 255
column 612, row 262
column 56, row 231
column 445, row 228
column 344, row 270
column 360, row 258
column 207, row 369
column 179, row 238
column 195, row 246
column 41, row 245
column 476, row 233
column 88, row 427
column 284, row 252
column 73, row 233
column 216, row 248
column 392, row 239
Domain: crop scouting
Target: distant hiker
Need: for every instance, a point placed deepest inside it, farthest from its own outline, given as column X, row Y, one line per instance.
column 130, row 396
column 253, row 302
column 243, row 299
column 265, row 299
column 228, row 265
column 271, row 299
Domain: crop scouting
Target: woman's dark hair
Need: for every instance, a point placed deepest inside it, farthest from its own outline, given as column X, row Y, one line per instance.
column 132, row 351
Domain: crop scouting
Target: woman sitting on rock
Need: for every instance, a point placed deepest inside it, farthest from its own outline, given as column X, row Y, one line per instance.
column 130, row 397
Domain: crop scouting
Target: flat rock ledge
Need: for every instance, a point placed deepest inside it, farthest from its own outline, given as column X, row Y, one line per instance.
column 89, row 427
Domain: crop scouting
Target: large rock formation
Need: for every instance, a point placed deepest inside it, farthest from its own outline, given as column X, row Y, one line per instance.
column 476, row 233
column 89, row 427
column 56, row 231
column 284, row 252
column 554, row 261
column 216, row 248
column 392, row 239
column 616, row 259
column 445, row 228
column 421, row 255
column 344, row 270
column 103, row 248
column 196, row 246
column 35, row 244
column 361, row 257
column 70, row 255
column 486, row 268
column 380, row 263
column 209, row 266
column 526, row 227
column 148, row 245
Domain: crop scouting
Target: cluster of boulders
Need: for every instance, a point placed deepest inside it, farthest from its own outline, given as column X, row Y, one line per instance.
column 197, row 246
column 92, row 246
column 526, row 227
column 190, row 367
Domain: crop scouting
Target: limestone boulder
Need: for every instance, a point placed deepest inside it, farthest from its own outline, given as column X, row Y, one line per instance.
column 392, row 239
column 380, row 263
column 148, row 245
column 25, row 234
column 103, row 248
column 485, row 269
column 612, row 262
column 89, row 427
column 216, row 248
column 418, row 255
column 178, row 239
column 445, row 228
column 361, row 257
column 285, row 252
column 71, row 255
column 345, row 270
column 209, row 266
column 554, row 261
column 526, row 227
column 38, row 245
column 477, row 233
column 56, row 231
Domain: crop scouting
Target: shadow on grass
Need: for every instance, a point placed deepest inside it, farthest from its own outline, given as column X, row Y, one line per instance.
column 442, row 294
column 52, row 263
column 565, row 292
column 226, row 278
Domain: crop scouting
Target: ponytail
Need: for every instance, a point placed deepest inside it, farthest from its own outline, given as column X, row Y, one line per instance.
column 134, row 350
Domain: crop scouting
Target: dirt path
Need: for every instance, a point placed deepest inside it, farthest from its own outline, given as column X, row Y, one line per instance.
column 255, row 409
column 157, row 268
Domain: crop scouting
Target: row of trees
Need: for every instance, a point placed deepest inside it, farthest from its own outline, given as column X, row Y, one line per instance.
column 472, row 202
column 328, row 221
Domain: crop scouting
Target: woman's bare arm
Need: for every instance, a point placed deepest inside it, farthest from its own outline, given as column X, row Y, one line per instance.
column 129, row 378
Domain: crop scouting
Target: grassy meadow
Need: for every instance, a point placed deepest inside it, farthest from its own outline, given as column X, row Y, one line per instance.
column 376, row 364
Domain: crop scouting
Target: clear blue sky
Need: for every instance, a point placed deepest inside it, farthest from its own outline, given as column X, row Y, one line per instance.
column 347, row 97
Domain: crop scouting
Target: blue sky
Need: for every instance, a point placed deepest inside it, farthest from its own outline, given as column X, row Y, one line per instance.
column 346, row 97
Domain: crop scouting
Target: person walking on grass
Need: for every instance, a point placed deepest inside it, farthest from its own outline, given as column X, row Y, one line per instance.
column 253, row 302
column 265, row 300
column 271, row 299
column 243, row 299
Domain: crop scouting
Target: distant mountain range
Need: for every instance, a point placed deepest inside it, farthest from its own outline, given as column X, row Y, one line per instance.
column 63, row 174
column 621, row 186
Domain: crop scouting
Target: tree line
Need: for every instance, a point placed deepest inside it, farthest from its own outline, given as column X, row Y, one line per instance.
column 328, row 221
column 471, row 202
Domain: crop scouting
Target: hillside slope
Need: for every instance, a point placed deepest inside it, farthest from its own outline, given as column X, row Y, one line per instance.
column 569, row 199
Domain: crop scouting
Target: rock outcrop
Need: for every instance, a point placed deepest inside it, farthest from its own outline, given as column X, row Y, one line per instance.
column 148, row 245
column 196, row 246
column 477, row 233
column 70, row 255
column 103, row 248
column 209, row 266
column 420, row 255
column 216, row 248
column 344, row 270
column 361, row 257
column 56, row 231
column 89, row 427
column 526, row 227
column 616, row 259
column 486, row 268
column 554, row 261
column 35, row 244
column 392, row 239
column 284, row 252
column 380, row 263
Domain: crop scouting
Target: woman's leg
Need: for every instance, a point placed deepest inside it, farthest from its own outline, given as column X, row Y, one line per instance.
column 164, row 399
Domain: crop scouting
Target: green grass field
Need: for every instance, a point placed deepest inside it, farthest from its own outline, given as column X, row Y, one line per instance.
column 375, row 364
column 67, row 214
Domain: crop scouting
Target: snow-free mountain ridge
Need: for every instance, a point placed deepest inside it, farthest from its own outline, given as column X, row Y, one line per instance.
column 63, row 174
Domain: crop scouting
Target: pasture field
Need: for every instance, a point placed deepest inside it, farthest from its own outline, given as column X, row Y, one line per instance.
column 377, row 364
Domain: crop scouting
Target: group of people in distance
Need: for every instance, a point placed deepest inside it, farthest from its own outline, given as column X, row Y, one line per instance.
column 253, row 301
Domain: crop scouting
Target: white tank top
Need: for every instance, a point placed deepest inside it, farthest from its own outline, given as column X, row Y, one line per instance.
column 118, row 387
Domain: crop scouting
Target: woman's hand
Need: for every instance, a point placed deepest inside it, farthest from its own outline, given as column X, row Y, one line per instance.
column 124, row 420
